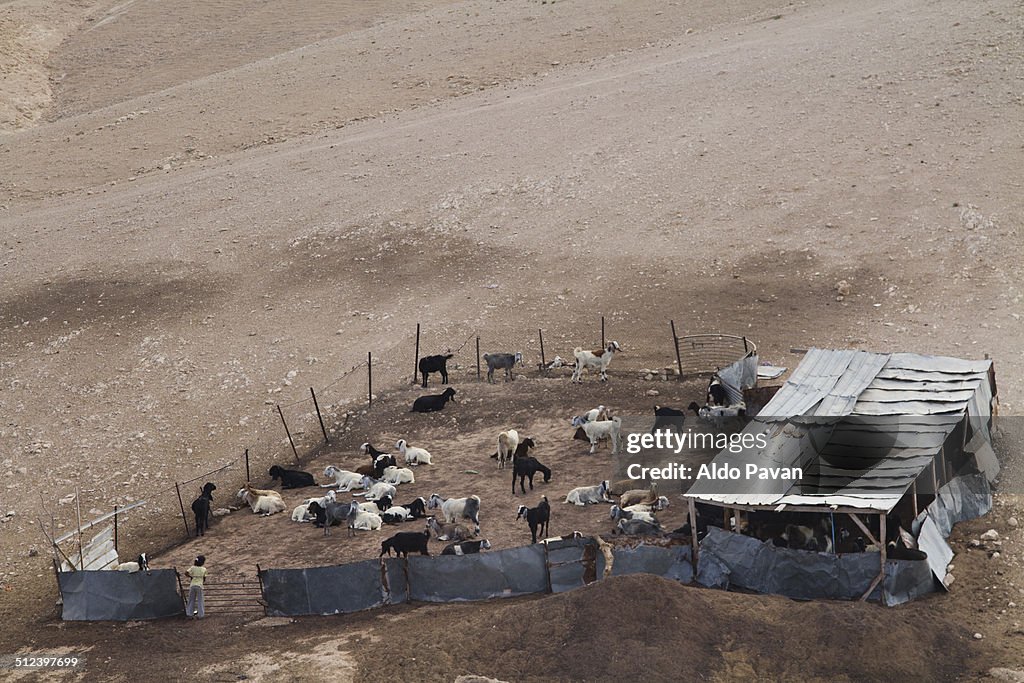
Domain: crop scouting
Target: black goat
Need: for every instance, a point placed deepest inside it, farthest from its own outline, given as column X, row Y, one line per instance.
column 522, row 450
column 418, row 508
column 371, row 451
column 201, row 508
column 668, row 418
column 433, row 402
column 383, row 461
column 716, row 393
column 292, row 479
column 537, row 517
column 466, row 547
column 527, row 467
column 439, row 363
column 405, row 542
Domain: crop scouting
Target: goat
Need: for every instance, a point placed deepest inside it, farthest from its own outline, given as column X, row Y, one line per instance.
column 433, row 402
column 377, row 489
column 537, row 517
column 657, row 506
column 597, row 360
column 522, row 450
column 201, row 508
column 617, row 513
column 668, row 418
column 414, row 455
column 398, row 475
column 438, row 363
column 597, row 431
column 466, row 547
column 717, row 414
column 527, row 467
column 455, row 509
column 508, row 442
column 587, row 495
column 395, row 514
column 260, row 502
column 593, row 415
column 343, row 479
column 405, row 542
column 717, row 395
column 799, row 537
column 362, row 520
column 370, row 450
column 330, row 514
column 639, row 496
column 292, row 479
column 621, row 486
column 898, row 551
column 141, row 563
column 301, row 512
column 418, row 508
column 380, row 464
column 450, row 531
column 637, row 527
column 502, row 361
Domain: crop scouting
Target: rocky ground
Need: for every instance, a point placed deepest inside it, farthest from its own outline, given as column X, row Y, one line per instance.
column 210, row 207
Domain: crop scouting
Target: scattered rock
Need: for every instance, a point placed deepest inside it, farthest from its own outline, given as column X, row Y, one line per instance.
column 990, row 535
column 974, row 543
column 978, row 636
column 843, row 288
column 272, row 621
column 1010, row 675
column 473, row 678
column 220, row 512
column 653, row 392
column 32, row 552
column 1012, row 522
column 948, row 581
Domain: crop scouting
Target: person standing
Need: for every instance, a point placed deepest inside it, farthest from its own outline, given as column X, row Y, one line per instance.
column 197, row 572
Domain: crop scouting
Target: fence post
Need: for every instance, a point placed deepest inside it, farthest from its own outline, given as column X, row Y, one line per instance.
column 319, row 416
column 288, row 432
column 369, row 374
column 602, row 332
column 478, row 358
column 543, row 362
column 675, row 343
column 416, row 362
column 115, row 527
column 247, row 477
column 746, row 349
column 184, row 517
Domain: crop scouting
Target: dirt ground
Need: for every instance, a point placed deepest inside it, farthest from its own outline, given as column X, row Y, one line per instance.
column 209, row 207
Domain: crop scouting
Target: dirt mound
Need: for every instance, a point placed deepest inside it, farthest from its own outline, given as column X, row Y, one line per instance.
column 613, row 629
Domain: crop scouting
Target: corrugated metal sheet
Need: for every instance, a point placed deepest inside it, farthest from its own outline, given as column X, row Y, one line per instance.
column 826, row 383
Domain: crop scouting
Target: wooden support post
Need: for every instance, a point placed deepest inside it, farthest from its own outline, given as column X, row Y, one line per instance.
column 693, row 536
column 880, row 579
column 181, row 504
column 913, row 497
column 543, row 361
column 478, row 358
column 247, row 477
column 78, row 509
column 369, row 376
column 288, row 432
column 602, row 332
column 675, row 345
column 320, row 417
column 115, row 527
column 867, row 532
column 935, row 481
column 416, row 363
column 746, row 347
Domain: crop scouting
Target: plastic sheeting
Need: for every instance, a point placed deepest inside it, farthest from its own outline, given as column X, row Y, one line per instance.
column 965, row 497
column 120, row 596
column 498, row 574
column 566, row 563
column 328, row 590
column 739, row 376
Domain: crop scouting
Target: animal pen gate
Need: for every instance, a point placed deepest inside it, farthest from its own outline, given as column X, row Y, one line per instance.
column 234, row 596
column 704, row 354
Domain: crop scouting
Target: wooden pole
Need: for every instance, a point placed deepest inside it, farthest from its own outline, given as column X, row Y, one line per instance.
column 247, row 477
column 913, row 497
column 78, row 509
column 693, row 536
column 478, row 358
column 675, row 343
column 288, row 432
column 881, row 569
column 369, row 376
column 416, row 363
column 184, row 517
column 746, row 347
column 602, row 332
column 543, row 361
column 319, row 416
column 115, row 527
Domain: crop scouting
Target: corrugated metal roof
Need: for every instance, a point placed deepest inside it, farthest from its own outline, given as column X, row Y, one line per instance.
column 825, row 384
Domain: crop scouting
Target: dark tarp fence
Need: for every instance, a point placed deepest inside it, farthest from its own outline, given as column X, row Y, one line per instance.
column 331, row 590
column 105, row 595
column 503, row 573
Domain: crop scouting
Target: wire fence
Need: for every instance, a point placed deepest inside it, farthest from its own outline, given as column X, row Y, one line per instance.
column 294, row 431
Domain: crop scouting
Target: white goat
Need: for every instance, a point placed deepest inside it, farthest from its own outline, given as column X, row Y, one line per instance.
column 617, row 513
column 597, row 414
column 414, row 455
column 363, row 520
column 596, row 360
column 586, row 495
column 265, row 505
column 375, row 490
column 141, row 563
column 398, row 475
column 301, row 512
column 343, row 479
column 508, row 442
column 605, row 429
column 455, row 509
column 657, row 506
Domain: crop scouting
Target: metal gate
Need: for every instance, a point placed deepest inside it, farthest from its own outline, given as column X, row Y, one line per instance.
column 240, row 596
column 703, row 354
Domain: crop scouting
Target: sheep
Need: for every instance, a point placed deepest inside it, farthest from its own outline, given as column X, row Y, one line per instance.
column 405, row 542
column 418, row 508
column 617, row 513
column 502, row 361
column 668, row 418
column 301, row 512
column 637, row 527
column 450, row 531
column 593, row 415
column 433, row 402
column 639, row 496
column 414, row 455
column 398, row 475
column 330, row 514
column 537, row 517
column 362, row 520
column 438, row 363
column 454, row 509
column 596, row 431
column 587, row 495
column 201, row 508
column 598, row 360
column 466, row 547
column 508, row 442
column 292, row 479
column 343, row 479
column 260, row 503
column 527, row 467
column 717, row 395
column 377, row 489
column 141, row 563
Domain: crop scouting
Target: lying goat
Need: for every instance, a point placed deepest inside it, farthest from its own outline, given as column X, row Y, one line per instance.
column 588, row 495
column 412, row 454
column 262, row 501
column 343, row 479
column 449, row 531
column 292, row 479
column 466, row 547
column 405, row 542
column 140, row 564
column 433, row 402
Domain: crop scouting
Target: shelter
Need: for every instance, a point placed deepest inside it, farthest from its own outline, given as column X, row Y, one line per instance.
column 862, row 433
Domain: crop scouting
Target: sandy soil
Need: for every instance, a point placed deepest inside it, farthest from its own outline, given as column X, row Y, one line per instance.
column 211, row 206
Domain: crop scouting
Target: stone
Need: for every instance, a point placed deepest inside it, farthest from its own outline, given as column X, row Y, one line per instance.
column 1009, row 675
column 1012, row 522
column 843, row 288
column 990, row 535
column 978, row 636
column 653, row 392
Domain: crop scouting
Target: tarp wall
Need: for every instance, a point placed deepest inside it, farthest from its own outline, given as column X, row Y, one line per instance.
column 95, row 595
column 330, row 590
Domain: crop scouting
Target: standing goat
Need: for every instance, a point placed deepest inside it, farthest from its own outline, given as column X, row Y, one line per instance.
column 438, row 363
column 524, row 468
column 537, row 517
column 502, row 361
column 595, row 360
column 201, row 508
column 508, row 442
